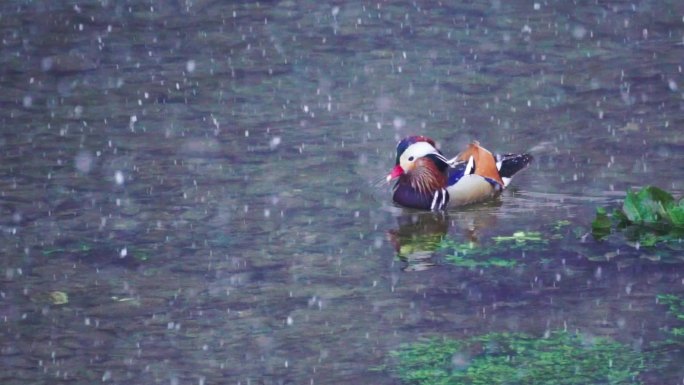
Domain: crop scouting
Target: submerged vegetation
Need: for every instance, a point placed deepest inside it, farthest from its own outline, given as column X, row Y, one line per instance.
column 676, row 307
column 502, row 358
column 649, row 218
column 472, row 255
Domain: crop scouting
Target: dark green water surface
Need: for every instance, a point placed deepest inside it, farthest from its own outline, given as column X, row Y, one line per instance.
column 199, row 179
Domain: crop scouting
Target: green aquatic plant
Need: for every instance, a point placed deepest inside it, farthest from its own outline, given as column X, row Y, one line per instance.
column 561, row 358
column 419, row 243
column 469, row 261
column 648, row 216
column 652, row 205
column 676, row 307
column 82, row 248
column 561, row 224
column 602, row 224
column 473, row 255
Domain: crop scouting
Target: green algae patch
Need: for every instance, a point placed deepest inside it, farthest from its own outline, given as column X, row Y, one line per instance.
column 675, row 306
column 473, row 255
column 511, row 358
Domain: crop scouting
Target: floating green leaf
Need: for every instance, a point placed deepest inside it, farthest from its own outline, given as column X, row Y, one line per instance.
column 559, row 225
column 676, row 214
column 59, row 298
column 647, row 217
column 648, row 205
column 521, row 237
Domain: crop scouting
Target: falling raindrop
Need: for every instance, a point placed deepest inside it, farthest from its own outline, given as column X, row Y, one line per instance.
column 47, row 63
column 119, row 177
column 579, row 32
column 672, row 85
column 274, row 143
column 398, row 123
column 84, row 162
column 190, row 66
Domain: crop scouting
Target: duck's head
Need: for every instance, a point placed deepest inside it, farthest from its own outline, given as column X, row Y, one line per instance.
column 414, row 152
column 408, row 141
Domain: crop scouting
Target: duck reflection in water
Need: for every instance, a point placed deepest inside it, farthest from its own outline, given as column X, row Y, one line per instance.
column 420, row 235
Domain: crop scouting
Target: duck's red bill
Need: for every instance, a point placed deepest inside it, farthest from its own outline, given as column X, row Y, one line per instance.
column 397, row 171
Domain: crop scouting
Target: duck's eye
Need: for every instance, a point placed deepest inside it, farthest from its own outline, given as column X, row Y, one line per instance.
column 410, row 159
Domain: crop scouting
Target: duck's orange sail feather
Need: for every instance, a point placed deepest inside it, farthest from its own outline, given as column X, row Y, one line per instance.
column 485, row 163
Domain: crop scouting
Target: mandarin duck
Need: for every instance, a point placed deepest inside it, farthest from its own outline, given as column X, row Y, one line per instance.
column 426, row 180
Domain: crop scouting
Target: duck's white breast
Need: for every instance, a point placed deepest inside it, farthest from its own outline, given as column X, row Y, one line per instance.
column 470, row 189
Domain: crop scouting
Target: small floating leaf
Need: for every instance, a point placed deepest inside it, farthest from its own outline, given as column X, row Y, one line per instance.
column 561, row 224
column 500, row 262
column 520, row 237
column 59, row 298
column 676, row 214
column 600, row 227
column 631, row 209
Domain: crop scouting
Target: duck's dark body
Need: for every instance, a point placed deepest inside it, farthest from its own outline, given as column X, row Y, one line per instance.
column 407, row 196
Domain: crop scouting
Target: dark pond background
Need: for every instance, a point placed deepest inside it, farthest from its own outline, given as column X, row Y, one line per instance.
column 200, row 178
